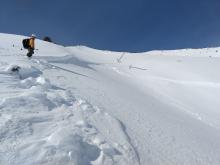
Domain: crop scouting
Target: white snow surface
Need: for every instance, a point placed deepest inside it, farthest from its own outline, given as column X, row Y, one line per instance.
column 81, row 106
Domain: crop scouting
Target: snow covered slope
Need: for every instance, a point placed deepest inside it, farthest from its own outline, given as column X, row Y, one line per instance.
column 78, row 105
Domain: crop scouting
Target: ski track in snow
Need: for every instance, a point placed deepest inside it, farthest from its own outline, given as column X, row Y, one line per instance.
column 72, row 134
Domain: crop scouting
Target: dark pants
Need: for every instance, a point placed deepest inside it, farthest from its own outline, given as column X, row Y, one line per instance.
column 30, row 52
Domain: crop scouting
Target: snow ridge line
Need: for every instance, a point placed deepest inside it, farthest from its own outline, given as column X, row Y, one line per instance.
column 130, row 142
column 190, row 83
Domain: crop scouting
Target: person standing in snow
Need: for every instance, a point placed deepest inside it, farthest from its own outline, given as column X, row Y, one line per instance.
column 31, row 45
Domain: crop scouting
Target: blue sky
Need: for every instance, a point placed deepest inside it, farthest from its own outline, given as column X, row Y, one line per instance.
column 120, row 25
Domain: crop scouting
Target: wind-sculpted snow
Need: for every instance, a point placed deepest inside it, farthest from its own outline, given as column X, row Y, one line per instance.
column 44, row 124
column 82, row 106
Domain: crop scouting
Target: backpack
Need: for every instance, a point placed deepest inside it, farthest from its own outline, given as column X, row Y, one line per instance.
column 25, row 43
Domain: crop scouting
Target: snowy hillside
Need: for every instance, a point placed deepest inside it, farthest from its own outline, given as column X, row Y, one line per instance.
column 81, row 106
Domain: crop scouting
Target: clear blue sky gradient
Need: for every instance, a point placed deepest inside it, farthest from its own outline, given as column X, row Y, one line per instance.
column 119, row 25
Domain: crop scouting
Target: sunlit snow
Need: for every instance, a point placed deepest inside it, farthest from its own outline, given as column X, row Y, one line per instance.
column 81, row 106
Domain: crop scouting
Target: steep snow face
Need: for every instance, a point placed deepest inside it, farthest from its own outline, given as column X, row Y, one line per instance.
column 79, row 105
column 45, row 123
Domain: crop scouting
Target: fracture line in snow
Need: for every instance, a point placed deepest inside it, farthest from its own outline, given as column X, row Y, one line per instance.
column 55, row 66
